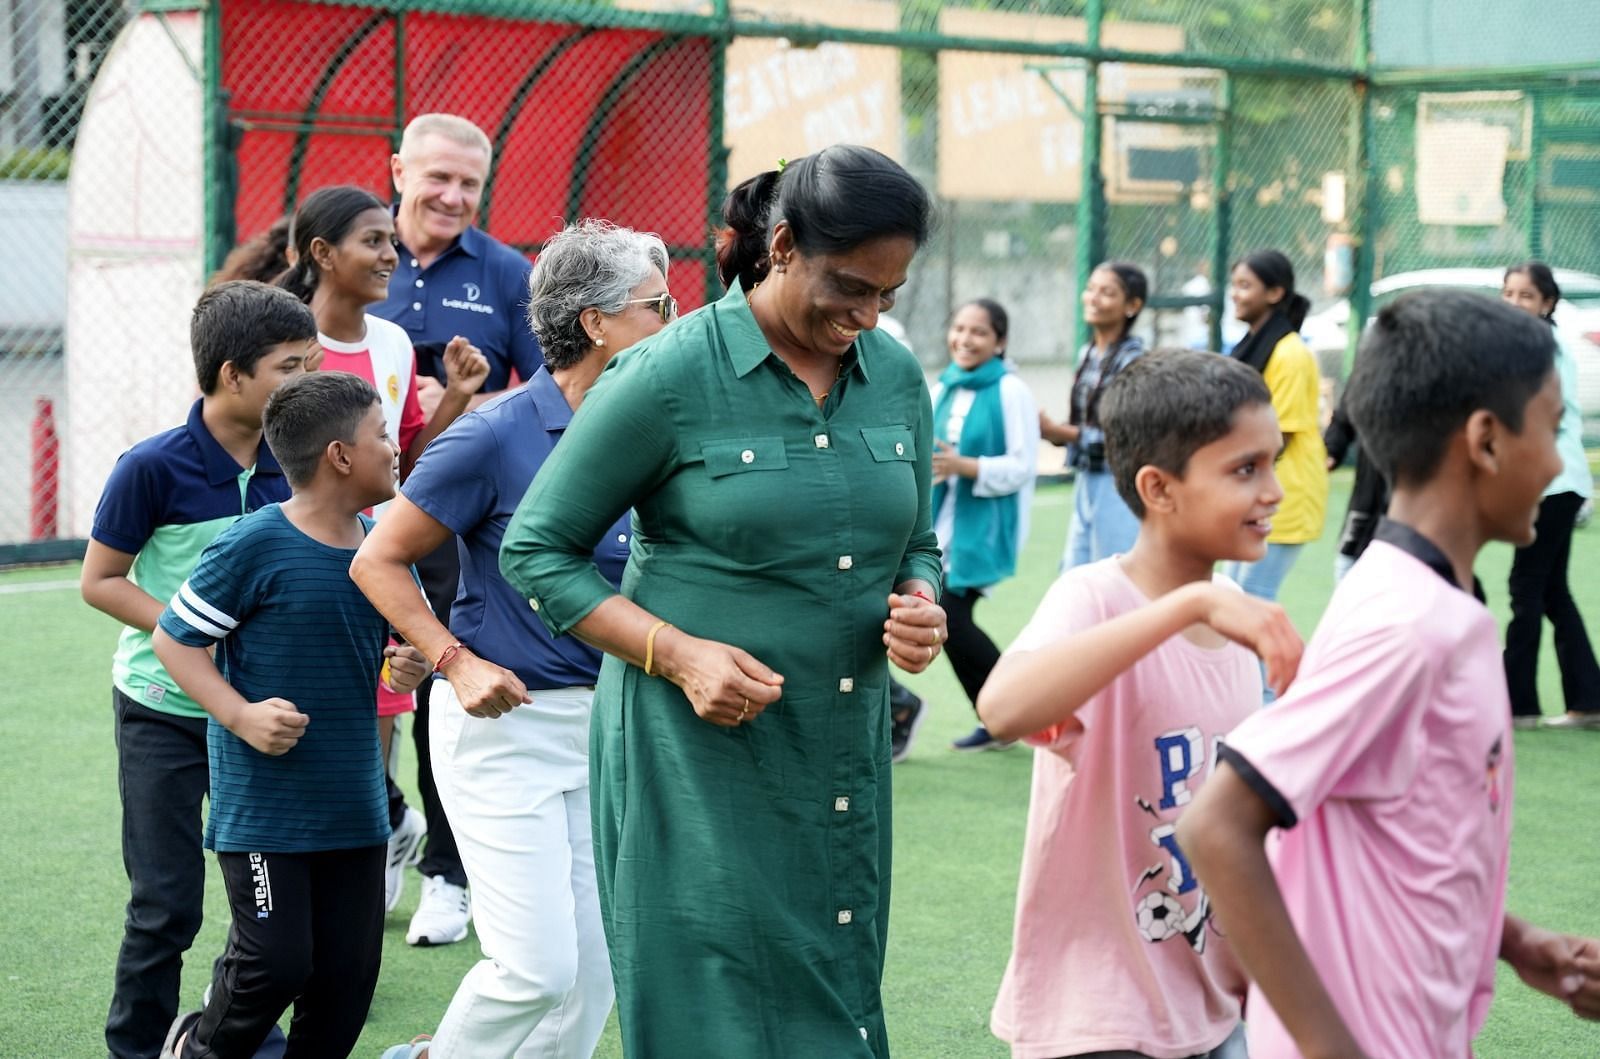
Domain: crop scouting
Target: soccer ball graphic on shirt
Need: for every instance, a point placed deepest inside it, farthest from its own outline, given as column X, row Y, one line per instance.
column 1159, row 916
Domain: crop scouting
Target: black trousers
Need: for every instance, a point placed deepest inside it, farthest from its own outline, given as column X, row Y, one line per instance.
column 440, row 572
column 307, row 931
column 162, row 777
column 1538, row 591
column 972, row 654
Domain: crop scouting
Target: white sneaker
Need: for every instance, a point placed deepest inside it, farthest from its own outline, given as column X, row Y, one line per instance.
column 442, row 914
column 405, row 849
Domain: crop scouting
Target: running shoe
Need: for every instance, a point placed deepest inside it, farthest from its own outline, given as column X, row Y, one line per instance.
column 405, row 849
column 980, row 739
column 905, row 718
column 442, row 914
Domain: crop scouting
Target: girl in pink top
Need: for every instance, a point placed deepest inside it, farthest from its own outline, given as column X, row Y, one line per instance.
column 1125, row 680
column 342, row 245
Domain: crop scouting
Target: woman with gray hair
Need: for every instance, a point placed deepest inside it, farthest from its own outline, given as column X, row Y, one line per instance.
column 510, row 719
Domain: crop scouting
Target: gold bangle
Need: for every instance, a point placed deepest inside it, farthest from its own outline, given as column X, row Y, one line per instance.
column 650, row 645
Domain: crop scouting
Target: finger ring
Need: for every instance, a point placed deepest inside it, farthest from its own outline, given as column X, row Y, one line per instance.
column 930, row 654
column 937, row 636
column 744, row 711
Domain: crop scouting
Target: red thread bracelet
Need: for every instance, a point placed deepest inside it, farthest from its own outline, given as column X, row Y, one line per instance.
column 922, row 595
column 448, row 656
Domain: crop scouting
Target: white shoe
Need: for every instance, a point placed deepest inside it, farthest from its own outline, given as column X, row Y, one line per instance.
column 1573, row 719
column 405, row 849
column 442, row 914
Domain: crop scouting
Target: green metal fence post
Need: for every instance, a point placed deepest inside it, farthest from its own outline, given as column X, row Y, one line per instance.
column 717, row 180
column 1221, row 215
column 1365, row 220
column 400, row 103
column 215, row 146
column 1091, row 211
column 1535, row 151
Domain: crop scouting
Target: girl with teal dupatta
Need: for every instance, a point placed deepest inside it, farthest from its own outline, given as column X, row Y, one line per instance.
column 986, row 438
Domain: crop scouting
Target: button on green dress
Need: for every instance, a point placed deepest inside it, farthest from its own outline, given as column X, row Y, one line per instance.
column 743, row 872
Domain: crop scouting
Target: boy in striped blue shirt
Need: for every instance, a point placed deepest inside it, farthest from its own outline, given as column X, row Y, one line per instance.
column 299, row 818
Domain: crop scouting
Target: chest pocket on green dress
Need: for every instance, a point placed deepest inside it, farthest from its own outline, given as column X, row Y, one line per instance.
column 747, row 481
column 890, row 444
column 892, row 480
column 742, row 455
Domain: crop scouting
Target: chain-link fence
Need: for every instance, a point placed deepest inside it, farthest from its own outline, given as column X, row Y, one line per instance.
column 1177, row 134
column 50, row 54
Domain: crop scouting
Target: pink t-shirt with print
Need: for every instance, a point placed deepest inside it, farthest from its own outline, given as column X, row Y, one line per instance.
column 402, row 413
column 1391, row 754
column 1115, row 947
column 356, row 358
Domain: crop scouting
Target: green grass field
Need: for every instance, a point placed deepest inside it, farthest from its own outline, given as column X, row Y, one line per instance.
column 958, row 838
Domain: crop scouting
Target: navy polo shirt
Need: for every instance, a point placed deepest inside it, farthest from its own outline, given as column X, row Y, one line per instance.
column 478, row 289
column 471, row 479
column 167, row 498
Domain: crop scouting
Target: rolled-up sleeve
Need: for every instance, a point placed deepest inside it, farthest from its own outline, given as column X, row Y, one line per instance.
column 620, row 445
column 922, row 559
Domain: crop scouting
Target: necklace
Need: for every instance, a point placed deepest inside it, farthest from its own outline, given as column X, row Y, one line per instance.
column 822, row 398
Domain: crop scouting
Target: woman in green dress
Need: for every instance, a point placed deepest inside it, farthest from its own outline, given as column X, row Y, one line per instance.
column 776, row 451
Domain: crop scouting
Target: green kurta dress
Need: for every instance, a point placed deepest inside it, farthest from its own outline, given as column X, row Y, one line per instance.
column 743, row 872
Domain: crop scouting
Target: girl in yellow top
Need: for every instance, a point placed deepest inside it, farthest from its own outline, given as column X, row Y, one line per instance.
column 1264, row 298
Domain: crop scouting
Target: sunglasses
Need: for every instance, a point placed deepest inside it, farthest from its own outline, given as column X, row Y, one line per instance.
column 666, row 306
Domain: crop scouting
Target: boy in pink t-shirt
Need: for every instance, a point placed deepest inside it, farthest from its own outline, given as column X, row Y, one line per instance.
column 1124, row 680
column 1371, row 922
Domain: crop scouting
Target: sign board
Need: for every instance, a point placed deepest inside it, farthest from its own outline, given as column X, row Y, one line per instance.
column 1461, row 167
column 1570, row 174
column 1509, row 110
column 1153, row 164
column 1004, row 131
column 784, row 101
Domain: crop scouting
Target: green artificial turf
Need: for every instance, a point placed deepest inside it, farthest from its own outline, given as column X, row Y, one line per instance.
column 959, row 821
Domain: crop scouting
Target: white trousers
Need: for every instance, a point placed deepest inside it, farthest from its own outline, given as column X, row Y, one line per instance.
column 516, row 790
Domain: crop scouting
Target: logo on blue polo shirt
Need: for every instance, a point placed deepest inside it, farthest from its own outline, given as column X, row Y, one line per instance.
column 471, row 304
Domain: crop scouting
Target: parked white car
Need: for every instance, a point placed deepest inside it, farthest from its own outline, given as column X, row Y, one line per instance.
column 1577, row 317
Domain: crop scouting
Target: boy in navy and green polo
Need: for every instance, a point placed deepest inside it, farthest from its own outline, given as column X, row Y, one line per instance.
column 167, row 498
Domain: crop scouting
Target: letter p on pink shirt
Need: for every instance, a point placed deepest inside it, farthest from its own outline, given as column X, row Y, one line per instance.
column 1115, row 947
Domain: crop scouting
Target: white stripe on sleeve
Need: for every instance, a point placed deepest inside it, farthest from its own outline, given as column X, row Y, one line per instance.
column 200, row 606
column 181, row 607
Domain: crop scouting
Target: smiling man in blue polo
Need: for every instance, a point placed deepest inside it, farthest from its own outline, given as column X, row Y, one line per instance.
column 452, row 279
